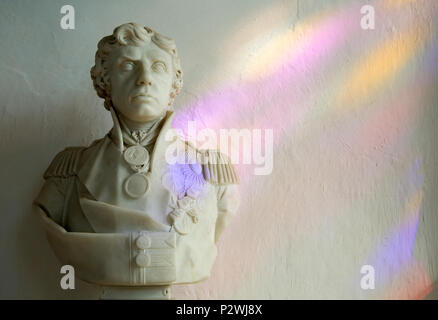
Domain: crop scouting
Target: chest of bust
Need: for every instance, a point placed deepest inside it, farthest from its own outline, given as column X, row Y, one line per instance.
column 110, row 179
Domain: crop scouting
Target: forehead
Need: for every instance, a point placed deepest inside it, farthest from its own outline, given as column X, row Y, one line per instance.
column 146, row 50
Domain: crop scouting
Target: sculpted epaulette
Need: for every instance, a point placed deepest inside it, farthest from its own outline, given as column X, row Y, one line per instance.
column 218, row 169
column 65, row 163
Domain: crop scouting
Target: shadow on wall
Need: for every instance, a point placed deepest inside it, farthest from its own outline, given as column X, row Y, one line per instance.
column 30, row 269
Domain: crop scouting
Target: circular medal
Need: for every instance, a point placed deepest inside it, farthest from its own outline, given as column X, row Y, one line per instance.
column 136, row 155
column 137, row 185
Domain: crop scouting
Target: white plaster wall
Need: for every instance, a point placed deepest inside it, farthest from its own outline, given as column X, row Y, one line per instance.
column 354, row 116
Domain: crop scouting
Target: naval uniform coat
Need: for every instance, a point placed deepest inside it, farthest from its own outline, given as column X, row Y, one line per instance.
column 167, row 236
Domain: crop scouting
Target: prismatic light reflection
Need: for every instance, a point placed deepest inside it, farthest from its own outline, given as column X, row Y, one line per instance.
column 282, row 85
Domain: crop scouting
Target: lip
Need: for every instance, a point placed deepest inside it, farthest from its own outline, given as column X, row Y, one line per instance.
column 142, row 96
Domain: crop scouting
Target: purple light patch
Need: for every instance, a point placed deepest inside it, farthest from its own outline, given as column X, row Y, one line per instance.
column 396, row 253
column 184, row 179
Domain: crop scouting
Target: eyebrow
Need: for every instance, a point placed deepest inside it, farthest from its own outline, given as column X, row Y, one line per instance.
column 154, row 55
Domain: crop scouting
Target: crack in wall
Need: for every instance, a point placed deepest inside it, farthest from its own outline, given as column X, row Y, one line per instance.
column 25, row 78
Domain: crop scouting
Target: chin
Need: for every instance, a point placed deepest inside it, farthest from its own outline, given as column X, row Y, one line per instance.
column 146, row 112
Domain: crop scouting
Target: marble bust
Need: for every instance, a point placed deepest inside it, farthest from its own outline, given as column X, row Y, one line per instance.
column 118, row 211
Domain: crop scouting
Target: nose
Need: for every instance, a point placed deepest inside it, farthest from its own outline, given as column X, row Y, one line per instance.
column 144, row 78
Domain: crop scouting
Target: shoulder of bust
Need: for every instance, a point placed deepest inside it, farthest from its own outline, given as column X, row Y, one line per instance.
column 217, row 167
column 65, row 163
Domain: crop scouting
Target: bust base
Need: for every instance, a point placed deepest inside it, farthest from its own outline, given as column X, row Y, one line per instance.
column 135, row 293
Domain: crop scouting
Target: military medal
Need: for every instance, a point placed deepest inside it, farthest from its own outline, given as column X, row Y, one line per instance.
column 136, row 156
column 137, row 184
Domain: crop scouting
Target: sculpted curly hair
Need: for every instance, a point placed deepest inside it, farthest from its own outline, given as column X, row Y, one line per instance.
column 131, row 34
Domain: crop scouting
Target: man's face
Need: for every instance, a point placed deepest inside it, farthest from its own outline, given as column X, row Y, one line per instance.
column 141, row 81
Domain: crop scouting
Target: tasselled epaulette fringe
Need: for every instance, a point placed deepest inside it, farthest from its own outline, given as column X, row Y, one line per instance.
column 65, row 163
column 218, row 169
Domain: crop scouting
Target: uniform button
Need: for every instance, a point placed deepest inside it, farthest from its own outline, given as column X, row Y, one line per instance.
column 143, row 260
column 143, row 242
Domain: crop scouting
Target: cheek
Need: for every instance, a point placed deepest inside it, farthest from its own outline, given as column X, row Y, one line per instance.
column 119, row 86
column 165, row 84
column 164, row 78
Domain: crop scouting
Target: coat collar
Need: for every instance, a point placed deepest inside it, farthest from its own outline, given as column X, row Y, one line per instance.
column 104, row 172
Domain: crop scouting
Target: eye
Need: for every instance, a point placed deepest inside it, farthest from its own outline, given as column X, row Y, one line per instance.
column 127, row 65
column 159, row 66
